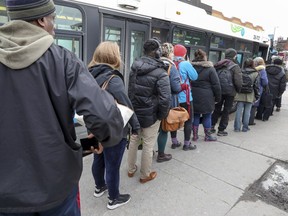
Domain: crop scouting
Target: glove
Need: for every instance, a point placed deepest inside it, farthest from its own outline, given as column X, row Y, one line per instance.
column 184, row 86
column 136, row 132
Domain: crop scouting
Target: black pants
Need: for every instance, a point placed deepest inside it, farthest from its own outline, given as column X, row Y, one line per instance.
column 227, row 103
column 263, row 112
column 252, row 115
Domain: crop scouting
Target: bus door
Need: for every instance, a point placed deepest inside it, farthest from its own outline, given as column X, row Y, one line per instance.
column 71, row 42
column 129, row 35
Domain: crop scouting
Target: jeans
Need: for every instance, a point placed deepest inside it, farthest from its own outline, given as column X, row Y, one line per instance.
column 227, row 101
column 70, row 207
column 206, row 120
column 245, row 115
column 109, row 160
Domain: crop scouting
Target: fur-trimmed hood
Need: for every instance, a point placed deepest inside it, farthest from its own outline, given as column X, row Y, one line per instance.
column 207, row 64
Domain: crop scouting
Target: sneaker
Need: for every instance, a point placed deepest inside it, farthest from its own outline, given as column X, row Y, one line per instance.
column 245, row 129
column 174, row 146
column 222, row 133
column 164, row 157
column 121, row 200
column 189, row 147
column 100, row 192
column 278, row 109
column 236, row 130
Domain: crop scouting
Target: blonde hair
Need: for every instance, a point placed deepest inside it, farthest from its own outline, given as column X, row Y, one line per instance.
column 106, row 52
column 258, row 61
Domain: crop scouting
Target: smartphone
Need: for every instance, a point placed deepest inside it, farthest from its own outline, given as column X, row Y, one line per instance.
column 88, row 143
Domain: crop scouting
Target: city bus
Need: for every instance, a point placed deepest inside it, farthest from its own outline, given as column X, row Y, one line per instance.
column 81, row 25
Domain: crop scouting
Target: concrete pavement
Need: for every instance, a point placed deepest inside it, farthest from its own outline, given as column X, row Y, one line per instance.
column 213, row 180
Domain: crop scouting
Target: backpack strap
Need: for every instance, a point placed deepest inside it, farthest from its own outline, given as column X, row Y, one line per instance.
column 169, row 69
column 105, row 84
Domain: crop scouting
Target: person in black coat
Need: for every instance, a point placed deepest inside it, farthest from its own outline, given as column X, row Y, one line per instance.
column 206, row 91
column 277, row 82
column 107, row 161
column 150, row 93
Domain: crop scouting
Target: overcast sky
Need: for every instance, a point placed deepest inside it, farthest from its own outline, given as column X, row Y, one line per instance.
column 266, row 13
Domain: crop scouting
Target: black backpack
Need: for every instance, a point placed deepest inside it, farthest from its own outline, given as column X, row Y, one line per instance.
column 225, row 78
column 247, row 83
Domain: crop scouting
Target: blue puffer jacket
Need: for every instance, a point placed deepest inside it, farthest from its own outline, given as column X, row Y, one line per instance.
column 149, row 90
column 187, row 74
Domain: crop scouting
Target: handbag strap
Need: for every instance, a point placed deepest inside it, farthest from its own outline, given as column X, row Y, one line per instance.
column 105, row 84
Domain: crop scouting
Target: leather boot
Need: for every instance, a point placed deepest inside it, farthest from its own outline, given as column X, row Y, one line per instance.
column 195, row 133
column 208, row 136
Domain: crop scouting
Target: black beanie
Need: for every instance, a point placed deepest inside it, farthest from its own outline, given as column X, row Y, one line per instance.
column 230, row 53
column 29, row 9
column 151, row 45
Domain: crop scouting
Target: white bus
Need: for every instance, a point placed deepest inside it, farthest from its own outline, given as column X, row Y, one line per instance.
column 81, row 25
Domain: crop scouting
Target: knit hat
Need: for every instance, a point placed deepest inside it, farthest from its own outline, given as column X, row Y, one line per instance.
column 167, row 49
column 29, row 9
column 180, row 50
column 230, row 53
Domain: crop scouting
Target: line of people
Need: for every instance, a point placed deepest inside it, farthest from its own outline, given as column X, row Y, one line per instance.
column 42, row 85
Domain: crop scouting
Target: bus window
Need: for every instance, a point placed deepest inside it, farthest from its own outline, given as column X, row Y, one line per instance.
column 244, row 46
column 214, row 56
column 3, row 13
column 162, row 34
column 137, row 41
column 221, row 42
column 70, row 43
column 113, row 34
column 186, row 37
column 68, row 18
column 239, row 58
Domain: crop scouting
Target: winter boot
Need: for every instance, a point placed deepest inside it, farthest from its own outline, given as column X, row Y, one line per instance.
column 195, row 133
column 208, row 136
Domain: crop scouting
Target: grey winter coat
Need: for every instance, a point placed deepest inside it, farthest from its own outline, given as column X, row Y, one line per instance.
column 235, row 71
column 149, row 90
column 206, row 89
column 41, row 86
column 248, row 97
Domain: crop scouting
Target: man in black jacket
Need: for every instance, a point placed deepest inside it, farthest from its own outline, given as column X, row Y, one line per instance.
column 41, row 86
column 224, row 106
column 149, row 92
column 277, row 82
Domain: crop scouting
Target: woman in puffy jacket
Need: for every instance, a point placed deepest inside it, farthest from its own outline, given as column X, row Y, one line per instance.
column 206, row 91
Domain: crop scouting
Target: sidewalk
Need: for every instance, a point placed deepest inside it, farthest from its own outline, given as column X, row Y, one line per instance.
column 213, row 180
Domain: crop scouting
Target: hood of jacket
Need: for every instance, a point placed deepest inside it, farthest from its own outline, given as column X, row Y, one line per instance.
column 167, row 60
column 224, row 62
column 274, row 69
column 146, row 64
column 201, row 65
column 22, row 43
column 249, row 70
column 260, row 67
column 102, row 72
column 206, row 64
